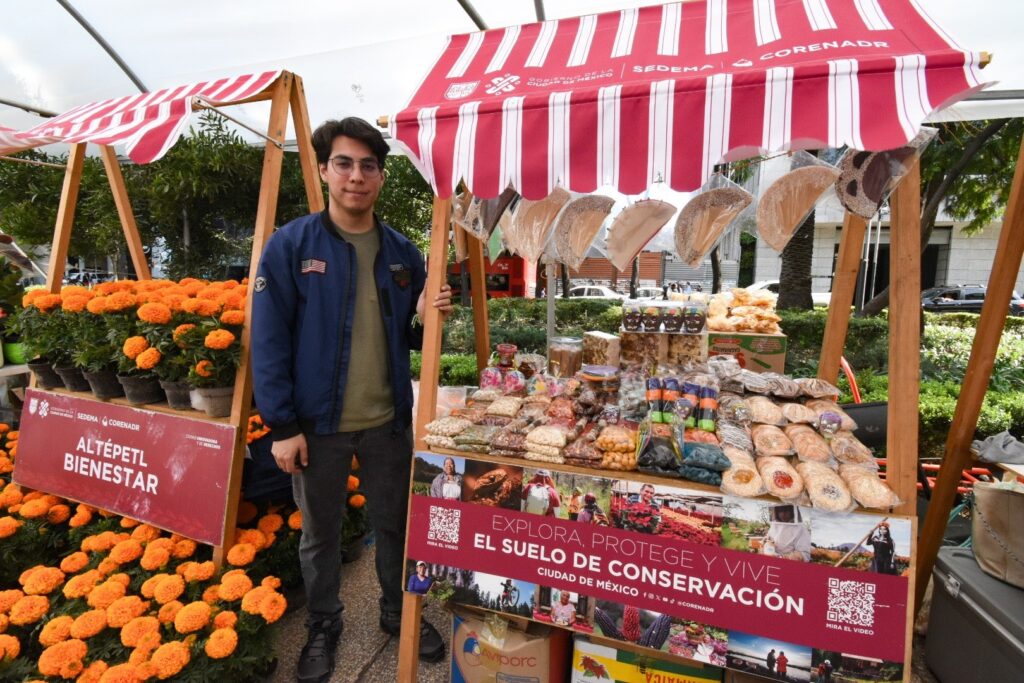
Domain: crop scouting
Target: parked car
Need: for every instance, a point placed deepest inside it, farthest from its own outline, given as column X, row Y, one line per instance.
column 649, row 293
column 963, row 299
column 594, row 292
column 819, row 298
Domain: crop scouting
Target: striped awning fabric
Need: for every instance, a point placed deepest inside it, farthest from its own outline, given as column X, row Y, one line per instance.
column 147, row 124
column 11, row 142
column 664, row 93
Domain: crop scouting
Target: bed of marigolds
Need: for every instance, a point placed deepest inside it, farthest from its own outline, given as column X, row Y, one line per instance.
column 90, row 596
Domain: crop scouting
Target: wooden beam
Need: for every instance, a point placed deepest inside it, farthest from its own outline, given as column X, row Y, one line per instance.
column 409, row 642
column 478, row 288
column 1007, row 264
column 124, row 212
column 844, row 285
column 904, row 339
column 266, row 210
column 304, row 141
column 430, row 367
column 65, row 218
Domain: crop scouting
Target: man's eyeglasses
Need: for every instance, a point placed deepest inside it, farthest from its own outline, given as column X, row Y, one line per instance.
column 343, row 165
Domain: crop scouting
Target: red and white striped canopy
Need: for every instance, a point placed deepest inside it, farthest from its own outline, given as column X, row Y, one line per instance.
column 11, row 142
column 147, row 124
column 665, row 93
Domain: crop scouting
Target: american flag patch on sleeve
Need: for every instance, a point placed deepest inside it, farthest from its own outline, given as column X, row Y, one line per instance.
column 312, row 265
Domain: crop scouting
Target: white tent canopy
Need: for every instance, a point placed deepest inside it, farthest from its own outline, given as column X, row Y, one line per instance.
column 362, row 59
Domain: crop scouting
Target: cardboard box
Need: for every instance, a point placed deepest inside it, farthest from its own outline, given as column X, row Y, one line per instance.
column 539, row 654
column 756, row 352
column 593, row 662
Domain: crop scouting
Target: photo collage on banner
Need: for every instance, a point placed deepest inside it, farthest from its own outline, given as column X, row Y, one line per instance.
column 858, row 542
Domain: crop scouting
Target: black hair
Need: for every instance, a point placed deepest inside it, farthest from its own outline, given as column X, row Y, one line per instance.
column 351, row 127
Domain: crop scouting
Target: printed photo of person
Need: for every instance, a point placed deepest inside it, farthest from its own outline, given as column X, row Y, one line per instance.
column 632, row 624
column 584, row 498
column 487, row 483
column 438, row 476
column 420, row 582
column 697, row 641
column 501, row 594
column 539, row 495
column 667, row 511
column 745, row 523
column 769, row 657
column 867, row 543
column 789, row 535
column 830, row 666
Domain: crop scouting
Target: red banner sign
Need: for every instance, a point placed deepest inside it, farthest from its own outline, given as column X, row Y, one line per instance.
column 814, row 604
column 162, row 469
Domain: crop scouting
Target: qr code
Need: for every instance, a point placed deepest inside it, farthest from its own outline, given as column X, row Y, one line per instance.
column 851, row 602
column 444, row 525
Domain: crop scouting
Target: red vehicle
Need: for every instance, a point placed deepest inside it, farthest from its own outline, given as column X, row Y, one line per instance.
column 507, row 276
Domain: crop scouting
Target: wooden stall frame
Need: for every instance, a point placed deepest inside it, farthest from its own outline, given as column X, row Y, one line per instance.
column 285, row 94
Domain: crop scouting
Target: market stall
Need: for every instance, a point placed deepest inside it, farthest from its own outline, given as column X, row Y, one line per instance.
column 84, row 441
column 628, row 99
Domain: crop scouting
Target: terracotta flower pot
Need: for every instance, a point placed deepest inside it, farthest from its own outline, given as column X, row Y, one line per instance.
column 104, row 384
column 217, row 400
column 141, row 390
column 73, row 378
column 45, row 376
column 178, row 394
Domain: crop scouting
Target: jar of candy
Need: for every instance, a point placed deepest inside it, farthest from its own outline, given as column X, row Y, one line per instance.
column 695, row 316
column 672, row 315
column 506, row 355
column 565, row 356
column 632, row 316
column 652, row 317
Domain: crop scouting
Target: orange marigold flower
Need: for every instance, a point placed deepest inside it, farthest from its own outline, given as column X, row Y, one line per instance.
column 149, row 585
column 210, row 595
column 241, row 554
column 295, row 520
column 89, row 623
column 75, row 290
column 104, row 595
column 183, row 549
column 174, row 301
column 120, row 673
column 148, row 359
column 271, row 582
column 133, row 346
column 27, row 574
column 154, row 313
column 58, row 514
column 8, row 526
column 123, row 610
column 148, row 642
column 246, row 512
column 233, row 300
column 225, row 619
column 75, row 304
column 192, row 617
column 80, row 518
column 204, row 368
column 82, row 584
column 56, row 630
column 120, row 301
column 222, row 643
column 271, row 523
column 138, row 627
column 219, row 340
column 357, row 501
column 170, row 658
column 126, row 551
column 254, row 598
column 97, row 305
column 200, row 571
column 44, row 581
column 181, row 330
column 8, row 598
column 169, row 589
column 232, row 317
column 47, row 302
column 31, row 296
column 94, row 672
column 129, row 523
column 74, row 563
column 234, row 587
column 210, row 292
column 54, row 659
column 145, row 532
column 29, row 609
column 272, row 607
column 353, row 483
column 10, row 648
column 34, row 508
column 154, row 558
column 121, row 578
column 107, row 566
column 169, row 611
column 253, row 537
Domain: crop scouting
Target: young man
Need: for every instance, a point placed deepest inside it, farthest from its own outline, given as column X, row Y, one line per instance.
column 335, row 313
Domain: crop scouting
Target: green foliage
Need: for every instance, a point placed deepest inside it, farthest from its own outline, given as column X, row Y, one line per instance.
column 457, row 370
column 406, row 201
column 867, row 342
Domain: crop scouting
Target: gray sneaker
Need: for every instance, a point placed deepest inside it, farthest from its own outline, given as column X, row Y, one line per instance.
column 316, row 662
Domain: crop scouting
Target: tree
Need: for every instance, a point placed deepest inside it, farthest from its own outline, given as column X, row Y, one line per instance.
column 795, row 275
column 406, row 202
column 967, row 170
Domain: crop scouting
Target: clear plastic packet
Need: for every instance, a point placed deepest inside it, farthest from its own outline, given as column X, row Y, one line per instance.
column 765, row 411
column 476, row 434
column 617, row 438
column 787, row 201
column 633, row 228
column 532, row 224
column 506, row 406
column 555, row 458
column 738, row 455
column 633, row 394
column 866, row 178
column 632, row 316
column 781, row 386
column 742, row 479
column 481, row 216
column 548, row 435
column 561, row 407
column 450, row 398
column 820, row 406
column 812, row 387
column 448, row 426
column 734, row 434
column 474, row 413
column 439, row 441
column 460, row 208
column 661, row 456
column 703, row 220
column 706, row 456
column 734, row 408
column 867, row 487
column 686, row 348
column 808, row 444
column 724, row 366
column 576, row 227
column 701, row 475
column 769, row 440
column 850, row 451
column 825, row 488
column 600, row 348
column 780, row 479
column 508, row 440
column 495, row 420
column 797, row 413
column 753, row 382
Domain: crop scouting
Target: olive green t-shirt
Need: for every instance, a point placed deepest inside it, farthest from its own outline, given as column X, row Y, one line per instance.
column 368, row 401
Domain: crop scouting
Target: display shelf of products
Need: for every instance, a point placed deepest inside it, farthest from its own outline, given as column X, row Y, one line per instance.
column 153, row 407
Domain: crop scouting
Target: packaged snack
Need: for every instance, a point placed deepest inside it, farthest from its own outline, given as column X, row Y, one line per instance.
column 691, row 394
column 742, row 479
column 561, row 407
column 439, row 441
column 508, row 440
column 808, row 444
column 695, row 315
column 724, row 366
column 600, row 348
column 779, row 477
column 617, row 438
column 547, row 435
column 490, row 378
column 817, row 388
column 798, row 413
column 708, row 409
column 672, row 317
column 583, row 451
column 867, row 487
column 733, row 434
column 753, row 382
column 699, row 436
column 473, row 413
column 476, row 435
column 820, row 406
column 770, row 440
column 515, row 383
column 632, row 316
column 826, row 489
column 447, row 426
column 642, row 348
column 494, row 420
column 683, row 349
column 706, row 456
column 652, row 317
column 735, row 409
column 507, row 454
column 506, row 406
column 701, row 475
column 549, row 451
column 850, row 451
column 738, row 455
column 764, row 411
column 781, row 386
column 556, row 459
column 485, row 395
column 660, row 456
column 632, row 395
column 623, row 462
column 565, row 356
column 829, row 423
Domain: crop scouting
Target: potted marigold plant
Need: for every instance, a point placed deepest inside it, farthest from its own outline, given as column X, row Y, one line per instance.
column 135, row 371
column 169, row 337
column 11, row 294
column 215, row 362
column 40, row 324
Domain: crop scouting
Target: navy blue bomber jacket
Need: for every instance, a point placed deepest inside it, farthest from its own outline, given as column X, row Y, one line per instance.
column 302, row 315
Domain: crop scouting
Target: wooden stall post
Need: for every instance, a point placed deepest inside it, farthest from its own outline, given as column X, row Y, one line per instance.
column 478, row 288
column 303, row 138
column 65, row 219
column 904, row 339
column 843, row 288
column 124, row 212
column 430, row 367
column 409, row 644
column 266, row 211
column 979, row 371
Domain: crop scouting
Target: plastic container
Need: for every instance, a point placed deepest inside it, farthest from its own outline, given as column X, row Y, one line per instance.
column 506, row 355
column 565, row 356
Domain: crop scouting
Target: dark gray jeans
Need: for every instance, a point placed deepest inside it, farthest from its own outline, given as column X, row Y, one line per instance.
column 385, row 455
